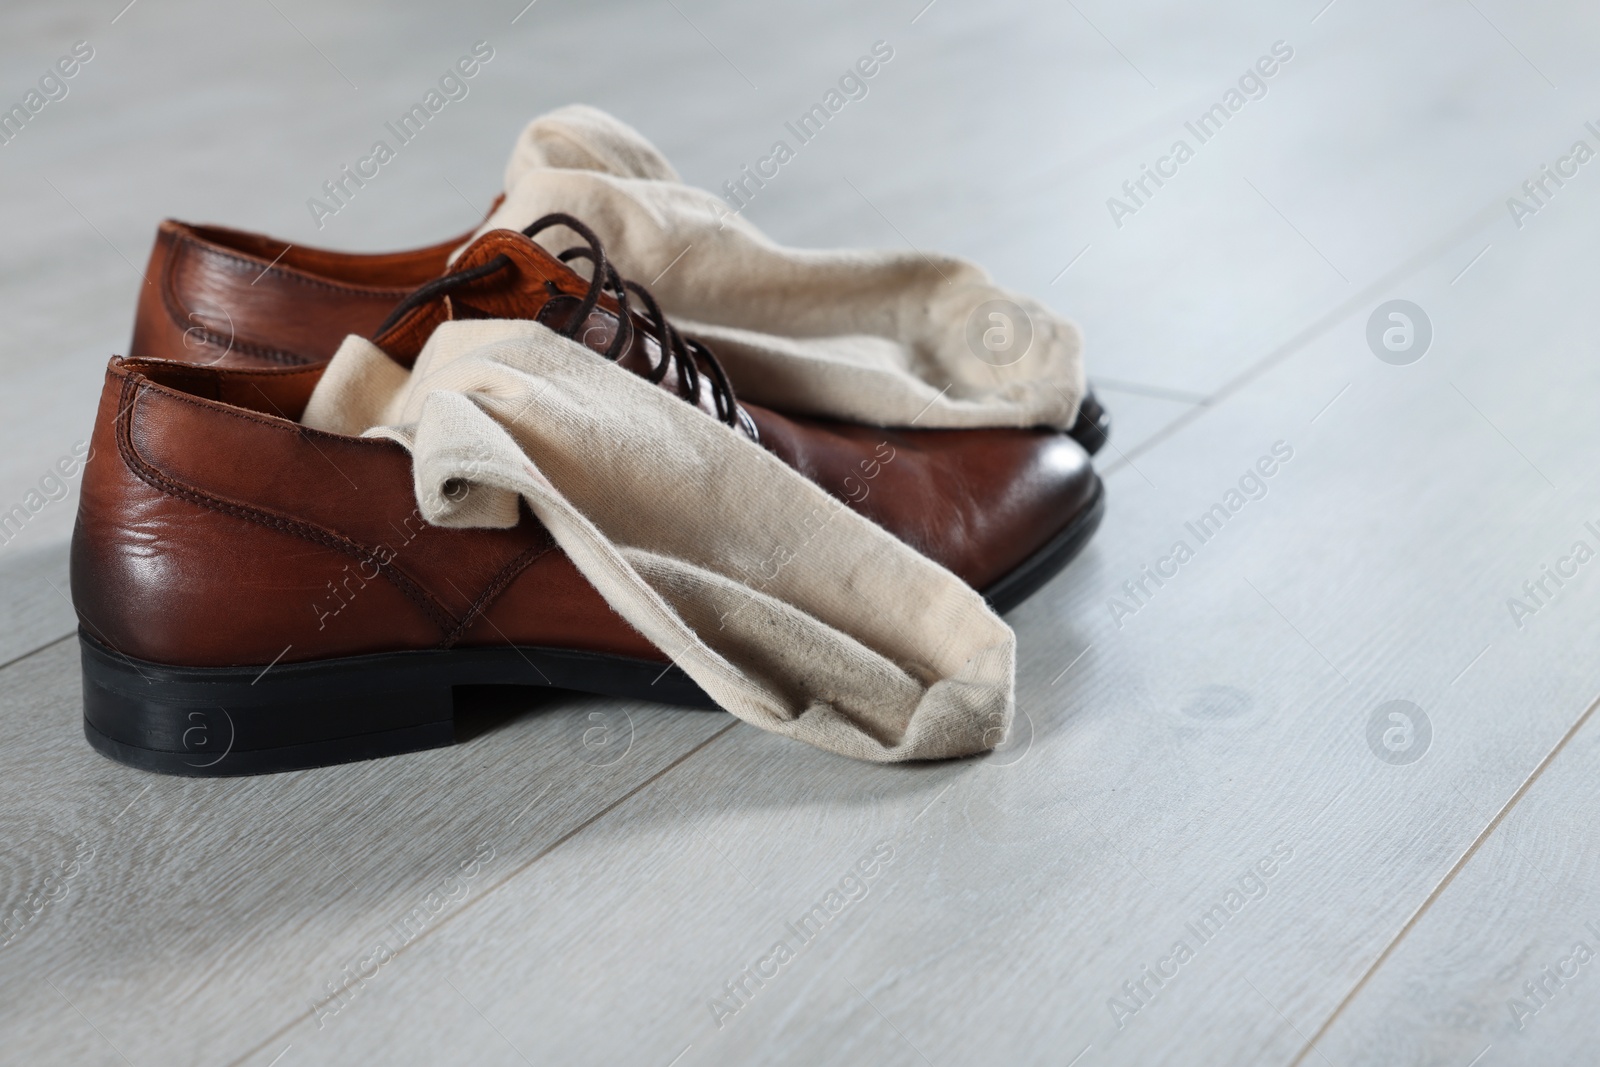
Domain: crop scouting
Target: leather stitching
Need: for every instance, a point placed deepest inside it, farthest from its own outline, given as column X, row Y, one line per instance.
column 161, row 482
column 231, row 375
column 250, row 348
column 290, row 274
column 501, row 580
column 212, row 407
column 184, row 243
column 497, row 585
column 178, row 315
column 223, row 372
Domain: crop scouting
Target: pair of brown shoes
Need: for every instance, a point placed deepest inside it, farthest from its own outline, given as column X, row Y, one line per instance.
column 255, row 595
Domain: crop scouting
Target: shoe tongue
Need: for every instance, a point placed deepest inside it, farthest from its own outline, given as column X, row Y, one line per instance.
column 534, row 285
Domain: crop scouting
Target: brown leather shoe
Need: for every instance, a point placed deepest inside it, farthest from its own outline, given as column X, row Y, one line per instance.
column 227, row 298
column 1004, row 509
column 1028, row 499
column 236, row 621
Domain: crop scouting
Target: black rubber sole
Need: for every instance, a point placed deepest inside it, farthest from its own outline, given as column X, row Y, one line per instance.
column 219, row 721
column 210, row 722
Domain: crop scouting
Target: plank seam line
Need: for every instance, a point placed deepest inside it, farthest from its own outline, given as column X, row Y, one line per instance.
column 273, row 1038
column 47, row 645
column 1444, row 883
column 1406, row 268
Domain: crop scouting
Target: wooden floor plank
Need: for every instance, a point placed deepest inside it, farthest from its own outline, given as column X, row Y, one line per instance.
column 1213, row 726
column 37, row 594
column 1221, row 732
column 1496, row 970
column 239, row 899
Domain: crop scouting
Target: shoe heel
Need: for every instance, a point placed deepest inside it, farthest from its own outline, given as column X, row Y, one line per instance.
column 221, row 721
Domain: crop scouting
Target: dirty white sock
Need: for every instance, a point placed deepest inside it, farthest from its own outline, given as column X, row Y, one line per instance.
column 876, row 337
column 792, row 611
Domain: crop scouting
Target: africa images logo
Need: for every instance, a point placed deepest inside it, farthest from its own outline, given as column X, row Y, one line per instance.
column 453, row 85
column 1399, row 732
column 851, row 887
column 52, row 86
column 1251, row 85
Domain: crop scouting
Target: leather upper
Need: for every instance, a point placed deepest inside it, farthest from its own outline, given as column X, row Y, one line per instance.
column 215, row 534
column 215, row 530
column 222, row 297
column 979, row 502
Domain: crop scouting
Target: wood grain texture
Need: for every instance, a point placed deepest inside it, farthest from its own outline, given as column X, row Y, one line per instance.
column 1167, row 753
column 1223, row 727
column 37, row 594
column 1501, row 966
column 208, row 914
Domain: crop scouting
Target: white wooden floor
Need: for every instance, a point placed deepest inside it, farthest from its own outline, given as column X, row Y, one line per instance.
column 598, row 882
